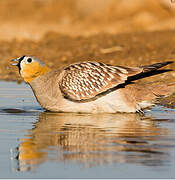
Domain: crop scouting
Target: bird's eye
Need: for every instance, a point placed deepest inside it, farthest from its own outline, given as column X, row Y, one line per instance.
column 29, row 60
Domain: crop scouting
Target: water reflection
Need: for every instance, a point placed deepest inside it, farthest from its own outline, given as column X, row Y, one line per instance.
column 93, row 140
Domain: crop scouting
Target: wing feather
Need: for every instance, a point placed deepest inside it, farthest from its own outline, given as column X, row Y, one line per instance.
column 86, row 80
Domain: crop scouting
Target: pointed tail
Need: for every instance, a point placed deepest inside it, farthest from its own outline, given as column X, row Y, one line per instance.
column 156, row 66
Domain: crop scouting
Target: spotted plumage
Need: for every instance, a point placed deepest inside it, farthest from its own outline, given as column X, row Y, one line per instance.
column 82, row 81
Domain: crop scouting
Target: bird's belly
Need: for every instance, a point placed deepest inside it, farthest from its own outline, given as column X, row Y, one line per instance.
column 110, row 103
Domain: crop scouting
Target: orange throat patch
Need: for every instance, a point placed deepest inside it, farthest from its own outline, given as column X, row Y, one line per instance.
column 31, row 71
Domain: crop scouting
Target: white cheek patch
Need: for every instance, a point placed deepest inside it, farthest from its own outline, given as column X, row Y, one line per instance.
column 22, row 64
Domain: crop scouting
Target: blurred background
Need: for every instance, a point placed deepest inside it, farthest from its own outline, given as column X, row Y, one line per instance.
column 32, row 19
column 126, row 32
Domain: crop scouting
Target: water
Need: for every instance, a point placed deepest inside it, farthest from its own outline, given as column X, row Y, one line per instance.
column 38, row 144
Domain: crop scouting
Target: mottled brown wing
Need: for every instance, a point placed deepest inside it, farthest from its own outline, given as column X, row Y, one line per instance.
column 86, row 80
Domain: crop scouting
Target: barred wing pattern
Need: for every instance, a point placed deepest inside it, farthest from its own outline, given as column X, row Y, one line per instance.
column 86, row 80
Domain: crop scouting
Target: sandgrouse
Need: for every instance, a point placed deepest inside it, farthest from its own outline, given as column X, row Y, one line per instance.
column 91, row 87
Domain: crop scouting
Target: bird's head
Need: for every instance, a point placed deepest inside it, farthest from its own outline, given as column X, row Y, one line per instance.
column 30, row 67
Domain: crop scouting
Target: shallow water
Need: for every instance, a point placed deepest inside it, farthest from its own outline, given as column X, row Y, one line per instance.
column 38, row 144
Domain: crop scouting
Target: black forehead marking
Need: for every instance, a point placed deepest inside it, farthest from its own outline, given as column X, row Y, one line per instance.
column 19, row 61
column 21, row 58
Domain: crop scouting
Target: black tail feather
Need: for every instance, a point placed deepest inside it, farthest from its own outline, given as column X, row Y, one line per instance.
column 156, row 66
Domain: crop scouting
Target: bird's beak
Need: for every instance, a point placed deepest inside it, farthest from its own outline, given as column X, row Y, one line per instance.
column 16, row 62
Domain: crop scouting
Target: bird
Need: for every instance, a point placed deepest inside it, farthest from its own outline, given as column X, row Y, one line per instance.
column 92, row 87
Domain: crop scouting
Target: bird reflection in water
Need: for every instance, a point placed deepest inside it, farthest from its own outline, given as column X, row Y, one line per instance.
column 92, row 140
